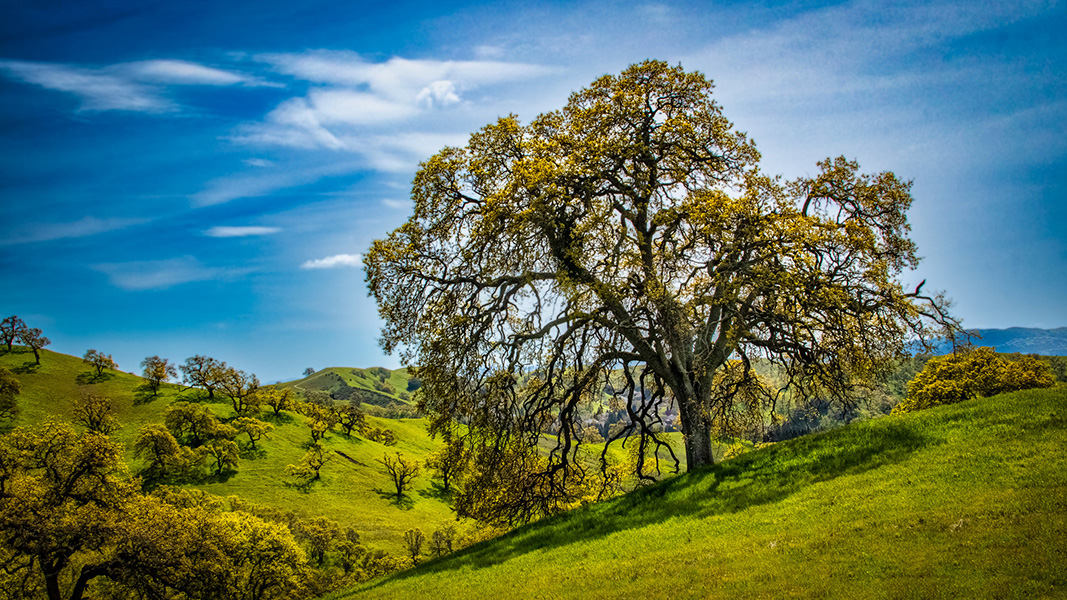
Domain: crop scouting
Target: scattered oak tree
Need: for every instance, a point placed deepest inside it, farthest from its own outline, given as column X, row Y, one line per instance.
column 99, row 361
column 95, row 413
column 9, row 389
column 307, row 470
column 401, row 470
column 242, row 389
column 413, row 539
column 973, row 373
column 632, row 232
column 442, row 539
column 157, row 371
column 253, row 428
column 449, row 462
column 167, row 459
column 278, row 399
column 224, row 454
column 11, row 330
column 190, row 423
column 58, row 494
column 35, row 340
column 350, row 417
column 203, row 372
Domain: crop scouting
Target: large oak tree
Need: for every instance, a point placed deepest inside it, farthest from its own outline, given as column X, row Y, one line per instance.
column 631, row 238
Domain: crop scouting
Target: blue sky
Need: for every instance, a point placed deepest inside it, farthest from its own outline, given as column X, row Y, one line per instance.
column 201, row 177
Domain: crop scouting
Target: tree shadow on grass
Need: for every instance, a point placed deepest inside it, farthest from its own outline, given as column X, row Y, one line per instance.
column 436, row 491
column 753, row 479
column 282, row 418
column 143, row 394
column 89, row 377
column 405, row 502
column 27, row 368
column 250, row 453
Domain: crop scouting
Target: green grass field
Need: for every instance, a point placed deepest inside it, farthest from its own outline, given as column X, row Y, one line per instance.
column 961, row 501
column 352, row 490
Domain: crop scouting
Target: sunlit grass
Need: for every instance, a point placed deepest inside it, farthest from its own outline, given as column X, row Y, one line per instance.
column 967, row 500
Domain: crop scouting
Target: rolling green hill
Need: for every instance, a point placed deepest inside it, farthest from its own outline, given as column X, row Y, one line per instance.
column 968, row 500
column 377, row 386
column 352, row 491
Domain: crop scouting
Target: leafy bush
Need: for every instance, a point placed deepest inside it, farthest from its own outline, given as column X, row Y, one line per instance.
column 972, row 374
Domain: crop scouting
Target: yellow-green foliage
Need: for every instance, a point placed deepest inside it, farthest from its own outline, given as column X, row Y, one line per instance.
column 71, row 518
column 976, row 373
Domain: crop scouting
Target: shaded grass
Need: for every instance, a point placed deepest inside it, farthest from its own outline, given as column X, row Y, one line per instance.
column 968, row 500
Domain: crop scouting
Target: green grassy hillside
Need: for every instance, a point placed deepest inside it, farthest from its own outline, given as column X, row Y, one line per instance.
column 377, row 386
column 968, row 500
column 352, row 491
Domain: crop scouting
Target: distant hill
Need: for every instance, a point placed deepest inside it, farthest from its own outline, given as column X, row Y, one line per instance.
column 1049, row 342
column 961, row 501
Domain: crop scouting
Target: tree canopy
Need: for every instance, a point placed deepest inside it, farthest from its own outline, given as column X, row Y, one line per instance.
column 631, row 239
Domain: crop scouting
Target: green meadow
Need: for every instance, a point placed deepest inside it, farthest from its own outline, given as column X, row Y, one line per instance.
column 961, row 501
column 352, row 491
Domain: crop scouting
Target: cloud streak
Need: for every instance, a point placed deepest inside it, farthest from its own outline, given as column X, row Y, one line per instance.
column 335, row 261
column 135, row 86
column 44, row 232
column 351, row 99
column 245, row 231
column 144, row 275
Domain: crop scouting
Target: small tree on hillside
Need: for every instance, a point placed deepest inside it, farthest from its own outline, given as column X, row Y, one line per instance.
column 442, row 539
column 191, row 424
column 34, row 338
column 448, row 462
column 242, row 389
column 413, row 539
column 203, row 372
column 976, row 373
column 99, row 361
column 253, row 428
column 350, row 417
column 157, row 371
column 10, row 330
column 223, row 452
column 308, row 372
column 278, row 399
column 95, row 413
column 9, row 388
column 401, row 470
column 307, row 470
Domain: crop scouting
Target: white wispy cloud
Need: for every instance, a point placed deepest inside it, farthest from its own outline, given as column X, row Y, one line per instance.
column 242, row 231
column 179, row 72
column 136, row 86
column 162, row 274
column 43, row 232
column 337, row 260
column 98, row 89
column 397, row 77
column 266, row 180
column 354, row 98
column 397, row 204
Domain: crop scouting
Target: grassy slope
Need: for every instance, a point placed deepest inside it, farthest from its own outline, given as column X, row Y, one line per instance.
column 966, row 501
column 350, row 493
column 362, row 379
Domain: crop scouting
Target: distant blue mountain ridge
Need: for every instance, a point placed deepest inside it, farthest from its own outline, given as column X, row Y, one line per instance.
column 1025, row 340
